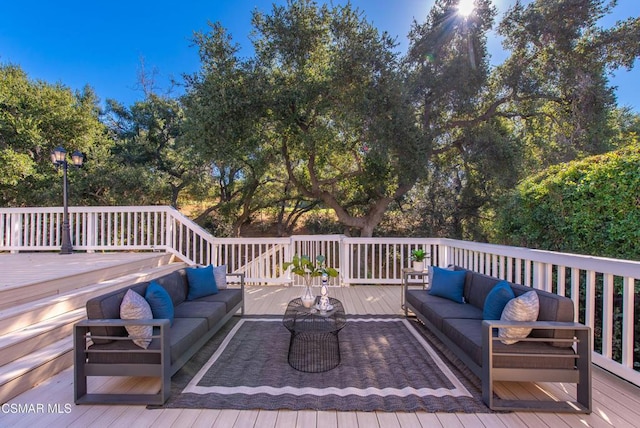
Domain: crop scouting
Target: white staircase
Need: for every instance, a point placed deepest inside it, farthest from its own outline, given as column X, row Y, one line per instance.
column 36, row 334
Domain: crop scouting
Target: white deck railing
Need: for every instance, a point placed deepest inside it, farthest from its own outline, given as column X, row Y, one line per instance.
column 603, row 290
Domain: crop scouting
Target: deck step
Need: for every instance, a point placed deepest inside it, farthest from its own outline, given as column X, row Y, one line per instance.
column 24, row 315
column 36, row 338
column 21, row 343
column 26, row 372
column 32, row 290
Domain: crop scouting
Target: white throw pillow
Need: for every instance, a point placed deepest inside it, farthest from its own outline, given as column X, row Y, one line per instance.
column 135, row 307
column 522, row 308
column 220, row 276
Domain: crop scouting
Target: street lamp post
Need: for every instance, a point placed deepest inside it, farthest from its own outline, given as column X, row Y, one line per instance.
column 58, row 157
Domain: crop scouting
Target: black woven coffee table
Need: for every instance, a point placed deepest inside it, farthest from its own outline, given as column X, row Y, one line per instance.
column 314, row 345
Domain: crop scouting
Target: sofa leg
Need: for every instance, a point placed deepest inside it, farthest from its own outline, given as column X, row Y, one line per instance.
column 79, row 373
column 487, row 363
column 583, row 388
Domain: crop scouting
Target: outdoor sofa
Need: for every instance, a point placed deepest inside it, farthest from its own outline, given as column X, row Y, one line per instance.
column 456, row 308
column 104, row 347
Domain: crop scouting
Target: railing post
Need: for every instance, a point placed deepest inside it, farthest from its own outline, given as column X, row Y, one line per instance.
column 444, row 255
column 168, row 238
column 288, row 251
column 16, row 232
column 345, row 261
column 92, row 232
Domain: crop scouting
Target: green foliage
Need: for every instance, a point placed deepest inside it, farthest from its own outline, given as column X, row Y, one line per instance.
column 589, row 206
column 344, row 127
column 36, row 117
column 307, row 268
column 149, row 139
column 418, row 255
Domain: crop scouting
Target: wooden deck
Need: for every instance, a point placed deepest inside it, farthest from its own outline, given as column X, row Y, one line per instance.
column 616, row 403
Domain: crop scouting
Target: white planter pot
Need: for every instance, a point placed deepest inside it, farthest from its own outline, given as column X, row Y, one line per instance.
column 418, row 266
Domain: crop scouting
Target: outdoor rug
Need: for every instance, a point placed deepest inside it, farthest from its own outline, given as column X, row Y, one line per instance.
column 387, row 364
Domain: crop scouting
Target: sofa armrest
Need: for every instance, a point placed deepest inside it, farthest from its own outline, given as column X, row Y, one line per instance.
column 581, row 374
column 240, row 279
column 82, row 329
column 83, row 369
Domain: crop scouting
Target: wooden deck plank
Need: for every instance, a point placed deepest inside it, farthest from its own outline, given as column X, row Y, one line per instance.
column 617, row 403
column 267, row 418
column 408, row 420
column 307, row 418
column 327, row 419
column 490, row 421
column 367, row 420
column 347, row 419
column 450, row 420
column 245, row 419
column 388, row 420
column 286, row 419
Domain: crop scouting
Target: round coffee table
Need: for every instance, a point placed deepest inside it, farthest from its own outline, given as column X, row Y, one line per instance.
column 314, row 345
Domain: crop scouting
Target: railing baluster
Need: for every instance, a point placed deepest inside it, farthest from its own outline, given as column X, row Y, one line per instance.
column 607, row 321
column 628, row 322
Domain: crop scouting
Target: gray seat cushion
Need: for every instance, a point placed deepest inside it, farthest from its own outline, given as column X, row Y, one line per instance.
column 435, row 309
column 211, row 311
column 467, row 334
column 182, row 335
column 231, row 297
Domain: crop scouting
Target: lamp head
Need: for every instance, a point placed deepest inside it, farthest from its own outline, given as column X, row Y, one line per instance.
column 58, row 155
column 78, row 158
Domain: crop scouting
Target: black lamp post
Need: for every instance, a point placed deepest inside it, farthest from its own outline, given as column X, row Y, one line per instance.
column 58, row 157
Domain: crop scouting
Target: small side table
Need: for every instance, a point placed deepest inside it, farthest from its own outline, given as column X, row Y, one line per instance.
column 423, row 276
column 314, row 345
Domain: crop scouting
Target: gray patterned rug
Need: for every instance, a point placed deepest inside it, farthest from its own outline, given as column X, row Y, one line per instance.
column 388, row 364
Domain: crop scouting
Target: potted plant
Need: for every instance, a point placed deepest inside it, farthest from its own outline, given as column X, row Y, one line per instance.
column 307, row 269
column 418, row 255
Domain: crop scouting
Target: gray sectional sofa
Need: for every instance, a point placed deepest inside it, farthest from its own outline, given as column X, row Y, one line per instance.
column 102, row 346
column 556, row 350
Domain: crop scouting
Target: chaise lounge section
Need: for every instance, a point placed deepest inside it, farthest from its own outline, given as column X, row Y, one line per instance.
column 104, row 347
column 550, row 348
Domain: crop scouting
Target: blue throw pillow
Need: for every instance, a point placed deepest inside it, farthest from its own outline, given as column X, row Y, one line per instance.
column 201, row 282
column 496, row 300
column 160, row 302
column 448, row 284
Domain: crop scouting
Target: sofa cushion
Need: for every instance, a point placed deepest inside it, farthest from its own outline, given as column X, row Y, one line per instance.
column 521, row 308
column 552, row 308
column 467, row 334
column 436, row 309
column 201, row 282
column 448, row 284
column 107, row 306
column 416, row 297
column 176, row 285
column 496, row 300
column 220, row 276
column 211, row 311
column 135, row 307
column 231, row 297
column 184, row 334
column 479, row 288
column 160, row 302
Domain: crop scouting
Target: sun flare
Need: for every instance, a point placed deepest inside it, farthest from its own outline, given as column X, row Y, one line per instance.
column 465, row 7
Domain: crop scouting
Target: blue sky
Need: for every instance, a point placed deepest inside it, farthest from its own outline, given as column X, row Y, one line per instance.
column 101, row 44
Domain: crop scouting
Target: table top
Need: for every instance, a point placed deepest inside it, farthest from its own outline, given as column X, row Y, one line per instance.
column 299, row 319
column 410, row 271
